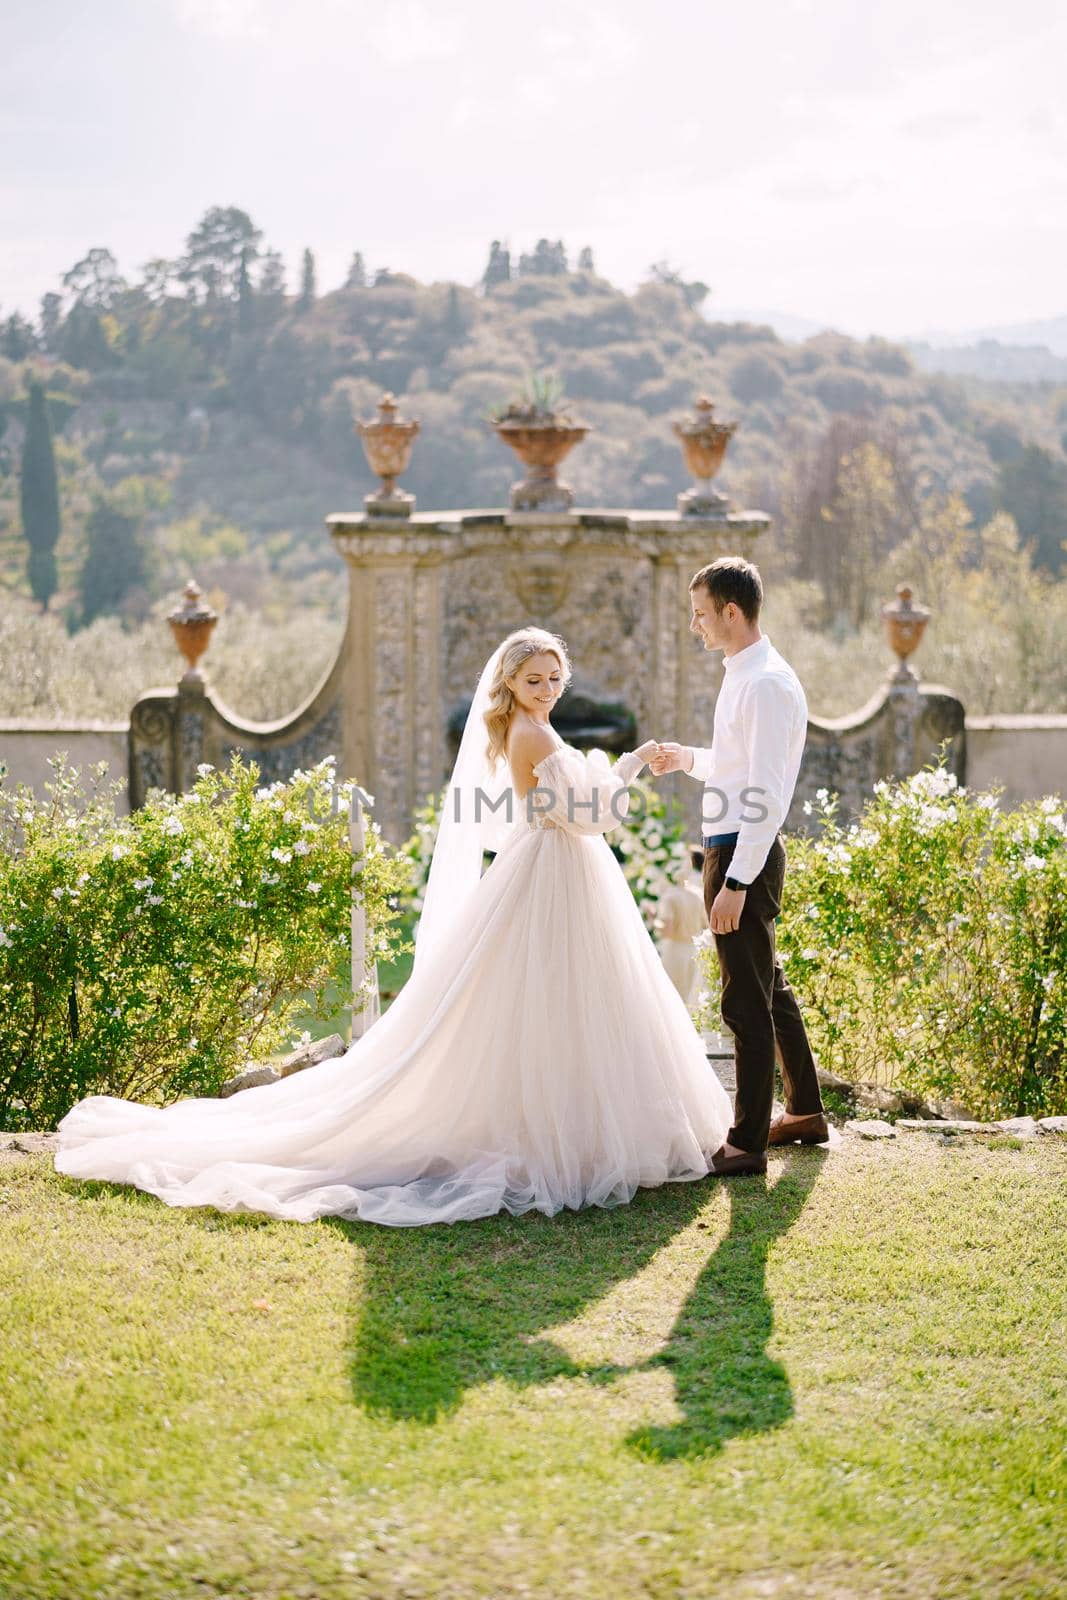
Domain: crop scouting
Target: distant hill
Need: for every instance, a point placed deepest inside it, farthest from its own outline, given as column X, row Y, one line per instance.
column 1051, row 332
column 228, row 411
column 994, row 361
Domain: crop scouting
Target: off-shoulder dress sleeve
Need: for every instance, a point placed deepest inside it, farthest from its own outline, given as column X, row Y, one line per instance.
column 583, row 794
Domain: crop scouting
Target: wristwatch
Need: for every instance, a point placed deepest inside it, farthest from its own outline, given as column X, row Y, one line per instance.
column 732, row 883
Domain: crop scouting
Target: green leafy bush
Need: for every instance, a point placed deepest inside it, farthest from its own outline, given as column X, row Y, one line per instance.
column 928, row 944
column 149, row 956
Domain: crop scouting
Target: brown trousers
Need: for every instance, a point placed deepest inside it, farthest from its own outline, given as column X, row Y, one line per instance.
column 758, row 1005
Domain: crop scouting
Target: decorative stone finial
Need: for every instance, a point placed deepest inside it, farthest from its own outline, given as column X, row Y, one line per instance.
column 905, row 624
column 704, row 442
column 387, row 441
column 192, row 624
column 539, row 427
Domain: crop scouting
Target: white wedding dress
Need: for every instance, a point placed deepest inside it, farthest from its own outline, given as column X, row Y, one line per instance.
column 538, row 1057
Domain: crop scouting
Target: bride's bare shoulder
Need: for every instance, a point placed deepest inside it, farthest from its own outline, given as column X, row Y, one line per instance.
column 529, row 743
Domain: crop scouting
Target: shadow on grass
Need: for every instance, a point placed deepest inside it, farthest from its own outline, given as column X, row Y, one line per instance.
column 444, row 1309
column 725, row 1382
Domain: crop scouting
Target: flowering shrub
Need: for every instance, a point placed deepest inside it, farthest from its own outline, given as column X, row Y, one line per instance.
column 928, row 943
column 148, row 956
column 649, row 844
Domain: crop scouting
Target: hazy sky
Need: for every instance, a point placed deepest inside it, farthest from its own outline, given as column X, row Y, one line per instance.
column 885, row 165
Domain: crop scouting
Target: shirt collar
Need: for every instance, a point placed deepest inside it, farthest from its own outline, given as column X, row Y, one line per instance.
column 753, row 655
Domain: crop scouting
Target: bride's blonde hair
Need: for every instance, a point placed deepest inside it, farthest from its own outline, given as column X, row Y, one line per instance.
column 517, row 648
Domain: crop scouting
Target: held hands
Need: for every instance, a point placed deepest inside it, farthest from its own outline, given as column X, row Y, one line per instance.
column 647, row 750
column 670, row 758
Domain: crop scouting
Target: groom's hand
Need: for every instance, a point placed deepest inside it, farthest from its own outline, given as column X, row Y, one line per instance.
column 671, row 758
column 726, row 910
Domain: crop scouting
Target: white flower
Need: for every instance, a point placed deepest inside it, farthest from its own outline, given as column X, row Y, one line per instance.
column 806, row 808
column 1033, row 863
column 288, row 816
column 4, row 940
column 313, row 888
column 988, row 802
column 301, row 848
column 822, row 794
column 187, row 858
column 203, row 768
column 1047, row 981
column 57, row 894
column 703, row 941
column 281, row 855
column 118, row 851
column 1050, row 804
column 143, row 883
column 173, row 825
column 268, row 877
column 245, row 905
column 193, row 1042
column 809, row 955
column 155, row 899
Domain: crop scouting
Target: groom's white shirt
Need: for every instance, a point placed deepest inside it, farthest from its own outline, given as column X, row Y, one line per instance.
column 761, row 723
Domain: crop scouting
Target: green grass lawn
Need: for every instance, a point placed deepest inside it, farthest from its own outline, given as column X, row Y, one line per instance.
column 847, row 1379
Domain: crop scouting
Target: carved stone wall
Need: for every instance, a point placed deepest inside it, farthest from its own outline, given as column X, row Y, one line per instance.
column 173, row 730
column 432, row 595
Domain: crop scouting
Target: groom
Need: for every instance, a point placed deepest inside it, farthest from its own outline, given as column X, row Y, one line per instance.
column 750, row 772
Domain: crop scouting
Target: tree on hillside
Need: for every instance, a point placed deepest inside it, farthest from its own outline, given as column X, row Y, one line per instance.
column 357, row 272
column 50, row 319
column 210, row 269
column 308, row 289
column 39, row 498
column 694, row 293
column 272, row 276
column 159, row 274
column 1033, row 489
column 847, row 502
column 95, row 281
column 17, row 338
column 246, row 304
column 115, row 567
column 498, row 268
column 547, row 260
column 585, row 260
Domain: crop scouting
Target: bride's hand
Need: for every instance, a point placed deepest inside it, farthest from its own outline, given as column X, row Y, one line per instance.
column 647, row 750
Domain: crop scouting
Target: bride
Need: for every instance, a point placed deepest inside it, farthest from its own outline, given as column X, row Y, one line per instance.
column 538, row 1056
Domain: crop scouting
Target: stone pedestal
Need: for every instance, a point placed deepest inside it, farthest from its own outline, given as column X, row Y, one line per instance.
column 432, row 595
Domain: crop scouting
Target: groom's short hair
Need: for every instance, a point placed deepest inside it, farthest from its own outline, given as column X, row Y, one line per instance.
column 732, row 578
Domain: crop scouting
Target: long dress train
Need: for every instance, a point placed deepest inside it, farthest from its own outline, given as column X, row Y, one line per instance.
column 538, row 1058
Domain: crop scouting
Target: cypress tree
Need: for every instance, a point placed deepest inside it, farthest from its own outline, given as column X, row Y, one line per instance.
column 307, row 283
column 39, row 498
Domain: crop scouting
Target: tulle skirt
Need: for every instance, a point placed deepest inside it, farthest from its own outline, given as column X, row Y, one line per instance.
column 542, row 1060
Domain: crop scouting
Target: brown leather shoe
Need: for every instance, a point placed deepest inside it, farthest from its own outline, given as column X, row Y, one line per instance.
column 812, row 1129
column 748, row 1161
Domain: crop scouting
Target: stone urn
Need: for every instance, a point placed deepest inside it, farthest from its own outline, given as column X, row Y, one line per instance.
column 704, row 442
column 540, row 429
column 387, row 442
column 905, row 624
column 192, row 624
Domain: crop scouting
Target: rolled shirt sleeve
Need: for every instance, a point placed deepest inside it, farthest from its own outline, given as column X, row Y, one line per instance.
column 767, row 715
